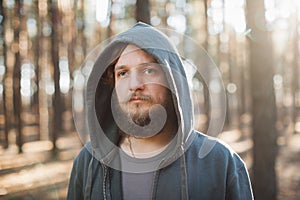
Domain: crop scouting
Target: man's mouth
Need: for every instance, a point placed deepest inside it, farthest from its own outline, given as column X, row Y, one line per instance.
column 139, row 98
column 136, row 99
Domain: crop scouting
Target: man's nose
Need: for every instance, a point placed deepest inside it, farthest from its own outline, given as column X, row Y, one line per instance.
column 136, row 82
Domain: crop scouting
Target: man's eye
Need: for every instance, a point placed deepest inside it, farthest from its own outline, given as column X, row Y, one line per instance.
column 122, row 73
column 149, row 71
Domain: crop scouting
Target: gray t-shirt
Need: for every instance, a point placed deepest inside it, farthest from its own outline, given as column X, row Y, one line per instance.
column 137, row 186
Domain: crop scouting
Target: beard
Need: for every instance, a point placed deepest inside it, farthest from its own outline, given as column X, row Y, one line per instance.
column 143, row 118
column 138, row 112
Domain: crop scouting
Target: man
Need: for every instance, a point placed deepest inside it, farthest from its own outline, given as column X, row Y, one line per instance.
column 140, row 117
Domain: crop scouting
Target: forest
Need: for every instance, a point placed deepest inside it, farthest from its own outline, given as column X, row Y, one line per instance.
column 246, row 91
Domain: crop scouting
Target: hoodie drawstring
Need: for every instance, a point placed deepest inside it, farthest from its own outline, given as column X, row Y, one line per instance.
column 184, row 186
column 88, row 188
column 104, row 181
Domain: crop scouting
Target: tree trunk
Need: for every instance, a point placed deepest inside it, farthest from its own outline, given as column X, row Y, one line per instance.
column 37, row 44
column 263, row 104
column 143, row 11
column 16, row 79
column 109, row 32
column 3, row 52
column 295, row 83
column 81, row 40
column 207, row 105
column 57, row 118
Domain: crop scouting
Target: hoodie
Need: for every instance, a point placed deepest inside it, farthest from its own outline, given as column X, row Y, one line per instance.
column 180, row 171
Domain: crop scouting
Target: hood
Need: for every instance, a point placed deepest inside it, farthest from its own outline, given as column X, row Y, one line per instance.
column 102, row 127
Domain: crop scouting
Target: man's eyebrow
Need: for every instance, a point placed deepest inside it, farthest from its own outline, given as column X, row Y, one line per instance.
column 117, row 67
column 141, row 64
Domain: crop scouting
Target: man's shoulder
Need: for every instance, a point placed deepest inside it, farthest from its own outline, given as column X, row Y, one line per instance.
column 84, row 155
column 202, row 140
column 211, row 147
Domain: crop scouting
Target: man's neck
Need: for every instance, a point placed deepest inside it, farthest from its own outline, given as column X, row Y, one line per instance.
column 147, row 147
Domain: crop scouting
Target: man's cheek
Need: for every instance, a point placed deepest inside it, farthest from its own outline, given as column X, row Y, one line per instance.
column 121, row 93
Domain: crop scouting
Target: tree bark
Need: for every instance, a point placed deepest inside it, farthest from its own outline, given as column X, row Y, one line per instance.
column 295, row 82
column 17, row 79
column 206, row 91
column 37, row 44
column 263, row 104
column 57, row 118
column 3, row 52
column 143, row 11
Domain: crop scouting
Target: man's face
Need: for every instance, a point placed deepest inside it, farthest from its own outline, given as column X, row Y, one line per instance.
column 140, row 83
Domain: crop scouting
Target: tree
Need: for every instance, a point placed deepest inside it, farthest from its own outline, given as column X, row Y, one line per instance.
column 57, row 100
column 36, row 45
column 17, row 102
column 3, row 52
column 263, row 104
column 143, row 11
column 295, row 81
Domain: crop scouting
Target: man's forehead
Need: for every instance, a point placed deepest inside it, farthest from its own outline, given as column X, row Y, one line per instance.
column 134, row 53
column 130, row 48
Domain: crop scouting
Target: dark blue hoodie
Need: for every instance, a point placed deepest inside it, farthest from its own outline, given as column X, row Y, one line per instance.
column 182, row 170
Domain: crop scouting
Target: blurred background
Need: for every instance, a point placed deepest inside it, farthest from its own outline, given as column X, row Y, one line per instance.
column 43, row 43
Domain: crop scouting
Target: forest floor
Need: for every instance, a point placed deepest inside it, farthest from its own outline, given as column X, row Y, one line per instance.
column 288, row 169
column 36, row 174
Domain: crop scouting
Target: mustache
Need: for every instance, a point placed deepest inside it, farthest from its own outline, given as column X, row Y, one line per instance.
column 136, row 96
column 140, row 97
